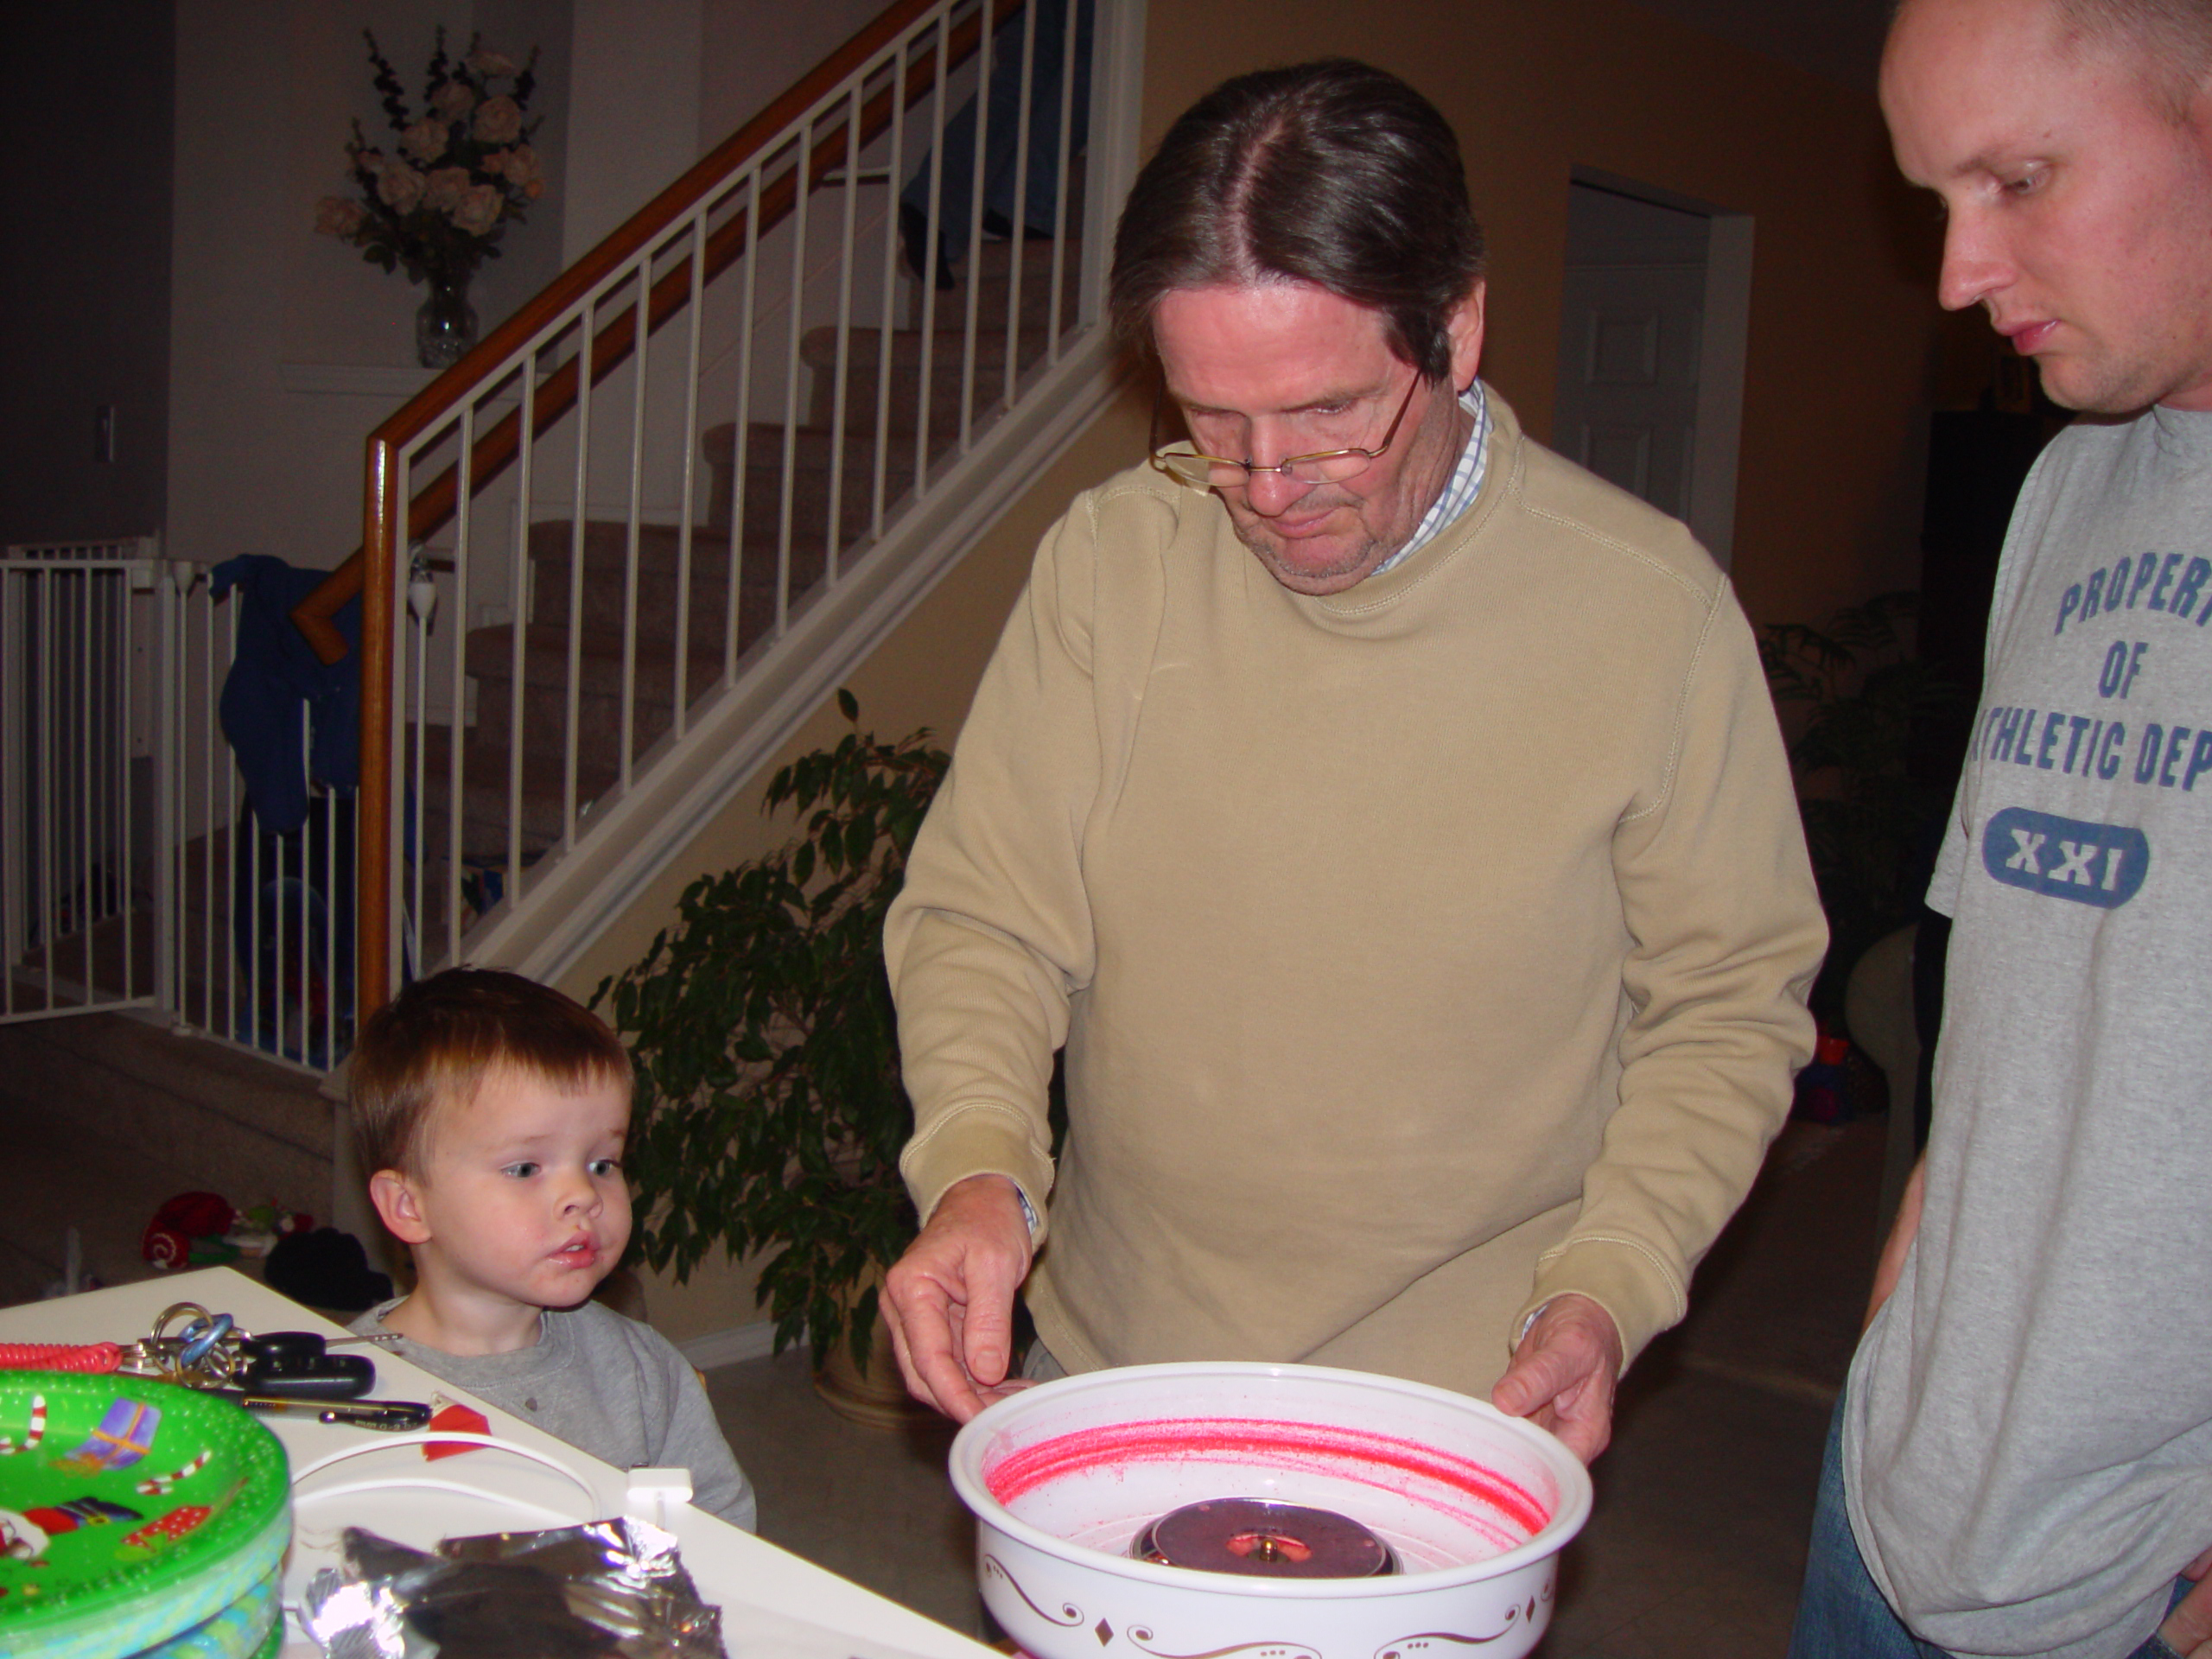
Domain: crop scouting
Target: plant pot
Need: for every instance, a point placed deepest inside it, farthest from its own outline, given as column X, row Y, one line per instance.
column 876, row 1398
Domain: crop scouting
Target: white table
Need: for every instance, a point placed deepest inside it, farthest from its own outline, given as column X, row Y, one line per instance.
column 772, row 1602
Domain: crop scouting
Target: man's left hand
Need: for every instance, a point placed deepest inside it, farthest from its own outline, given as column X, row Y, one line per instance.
column 2188, row 1629
column 1562, row 1375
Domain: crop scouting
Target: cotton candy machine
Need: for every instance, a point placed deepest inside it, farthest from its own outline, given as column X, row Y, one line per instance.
column 1232, row 1509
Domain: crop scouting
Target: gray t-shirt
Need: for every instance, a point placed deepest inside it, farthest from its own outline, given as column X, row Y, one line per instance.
column 617, row 1389
column 2028, row 1449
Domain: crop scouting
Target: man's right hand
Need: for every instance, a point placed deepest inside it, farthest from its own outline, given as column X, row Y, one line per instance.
column 2188, row 1629
column 949, row 1298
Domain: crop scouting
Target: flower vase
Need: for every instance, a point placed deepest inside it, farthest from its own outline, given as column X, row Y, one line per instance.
column 445, row 327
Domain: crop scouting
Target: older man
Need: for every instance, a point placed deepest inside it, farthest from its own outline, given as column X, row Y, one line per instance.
column 2024, row 1450
column 1386, row 817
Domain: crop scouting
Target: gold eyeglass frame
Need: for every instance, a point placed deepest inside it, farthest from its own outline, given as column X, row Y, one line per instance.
column 1166, row 463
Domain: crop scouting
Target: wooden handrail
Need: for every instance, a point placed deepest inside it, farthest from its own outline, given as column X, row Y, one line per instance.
column 368, row 572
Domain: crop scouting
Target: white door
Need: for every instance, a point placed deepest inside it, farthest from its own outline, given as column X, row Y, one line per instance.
column 1649, row 396
column 1627, row 405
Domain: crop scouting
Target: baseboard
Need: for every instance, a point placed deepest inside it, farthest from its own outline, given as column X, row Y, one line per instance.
column 730, row 1346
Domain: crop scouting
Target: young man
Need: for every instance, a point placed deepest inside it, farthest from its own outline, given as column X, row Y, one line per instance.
column 492, row 1111
column 2023, row 1459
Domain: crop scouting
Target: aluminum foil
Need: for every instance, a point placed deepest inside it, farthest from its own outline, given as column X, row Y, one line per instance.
column 593, row 1592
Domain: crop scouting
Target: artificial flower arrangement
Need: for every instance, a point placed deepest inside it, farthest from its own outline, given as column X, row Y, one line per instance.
column 464, row 170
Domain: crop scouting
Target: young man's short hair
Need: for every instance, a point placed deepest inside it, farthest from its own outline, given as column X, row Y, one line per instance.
column 2172, row 39
column 434, row 1045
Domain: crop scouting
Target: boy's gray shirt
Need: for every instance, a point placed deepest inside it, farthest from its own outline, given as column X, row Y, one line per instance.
column 614, row 1387
column 2028, row 1437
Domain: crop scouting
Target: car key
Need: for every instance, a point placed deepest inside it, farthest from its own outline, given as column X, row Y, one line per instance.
column 281, row 1350
column 297, row 1364
column 325, row 1377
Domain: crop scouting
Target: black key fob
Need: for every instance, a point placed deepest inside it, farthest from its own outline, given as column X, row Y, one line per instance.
column 281, row 1350
column 330, row 1377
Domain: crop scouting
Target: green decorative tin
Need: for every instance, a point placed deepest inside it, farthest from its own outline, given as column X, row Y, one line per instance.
column 252, row 1627
column 132, row 1512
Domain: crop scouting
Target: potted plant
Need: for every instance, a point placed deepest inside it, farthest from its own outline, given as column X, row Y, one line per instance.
column 1868, row 809
column 463, row 172
column 769, row 1112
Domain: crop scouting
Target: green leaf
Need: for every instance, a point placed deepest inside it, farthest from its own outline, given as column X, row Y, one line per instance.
column 1857, row 696
column 768, row 1111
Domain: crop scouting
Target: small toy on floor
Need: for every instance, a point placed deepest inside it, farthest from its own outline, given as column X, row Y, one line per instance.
column 201, row 1229
column 258, row 1230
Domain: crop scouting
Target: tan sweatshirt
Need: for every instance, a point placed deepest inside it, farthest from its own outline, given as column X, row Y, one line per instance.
column 1421, row 952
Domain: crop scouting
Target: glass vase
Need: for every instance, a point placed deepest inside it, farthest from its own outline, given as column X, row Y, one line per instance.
column 445, row 327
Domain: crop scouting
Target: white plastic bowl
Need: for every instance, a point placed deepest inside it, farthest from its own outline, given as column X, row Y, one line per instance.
column 1062, row 1476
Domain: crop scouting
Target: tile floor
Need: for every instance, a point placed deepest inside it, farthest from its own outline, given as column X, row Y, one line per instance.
column 1696, row 1542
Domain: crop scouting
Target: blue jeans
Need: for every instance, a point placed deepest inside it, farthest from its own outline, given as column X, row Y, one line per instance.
column 1841, row 1614
column 1006, row 140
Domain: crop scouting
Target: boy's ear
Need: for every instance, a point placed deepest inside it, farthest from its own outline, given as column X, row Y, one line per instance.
column 394, row 1196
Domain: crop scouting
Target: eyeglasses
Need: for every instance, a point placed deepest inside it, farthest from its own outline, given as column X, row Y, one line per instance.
column 1329, row 466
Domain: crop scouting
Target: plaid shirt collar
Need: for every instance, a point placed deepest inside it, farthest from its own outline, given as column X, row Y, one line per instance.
column 1466, row 482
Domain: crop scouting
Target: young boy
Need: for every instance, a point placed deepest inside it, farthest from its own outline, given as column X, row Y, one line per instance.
column 491, row 1111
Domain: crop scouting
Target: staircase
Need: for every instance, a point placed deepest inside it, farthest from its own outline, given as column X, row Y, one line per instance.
column 674, row 602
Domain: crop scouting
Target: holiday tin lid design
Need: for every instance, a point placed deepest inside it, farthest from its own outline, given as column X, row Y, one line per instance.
column 130, row 1512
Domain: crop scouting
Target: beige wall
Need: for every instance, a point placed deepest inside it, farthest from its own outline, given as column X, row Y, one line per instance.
column 752, row 53
column 634, row 112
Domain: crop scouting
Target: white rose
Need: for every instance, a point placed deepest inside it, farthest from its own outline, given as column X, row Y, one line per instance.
column 499, row 121
column 478, row 209
column 452, row 101
column 425, row 141
column 445, row 188
column 519, row 167
column 400, row 188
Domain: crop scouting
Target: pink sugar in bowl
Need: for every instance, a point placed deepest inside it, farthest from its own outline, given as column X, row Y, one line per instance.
column 1266, row 1512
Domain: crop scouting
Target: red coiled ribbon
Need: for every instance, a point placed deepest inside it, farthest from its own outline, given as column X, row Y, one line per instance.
column 86, row 1357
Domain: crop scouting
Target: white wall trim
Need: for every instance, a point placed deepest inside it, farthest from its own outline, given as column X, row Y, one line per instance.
column 732, row 1345
column 368, row 380
column 354, row 380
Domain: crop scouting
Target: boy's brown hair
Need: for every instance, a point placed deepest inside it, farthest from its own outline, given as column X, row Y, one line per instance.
column 432, row 1046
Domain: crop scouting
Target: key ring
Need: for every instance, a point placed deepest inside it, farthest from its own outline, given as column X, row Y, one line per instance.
column 203, row 1354
column 197, row 1348
column 201, row 1338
